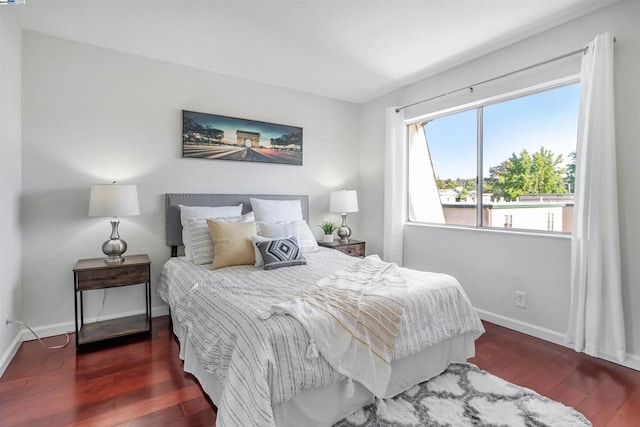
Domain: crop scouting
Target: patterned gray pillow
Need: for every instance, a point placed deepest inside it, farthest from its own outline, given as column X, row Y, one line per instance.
column 280, row 253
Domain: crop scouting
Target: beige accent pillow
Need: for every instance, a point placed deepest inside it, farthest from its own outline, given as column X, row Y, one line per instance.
column 201, row 241
column 232, row 243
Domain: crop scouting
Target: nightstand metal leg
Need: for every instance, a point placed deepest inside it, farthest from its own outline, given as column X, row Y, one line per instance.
column 148, row 297
column 75, row 306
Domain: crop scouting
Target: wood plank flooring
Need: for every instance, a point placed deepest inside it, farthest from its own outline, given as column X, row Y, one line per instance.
column 142, row 383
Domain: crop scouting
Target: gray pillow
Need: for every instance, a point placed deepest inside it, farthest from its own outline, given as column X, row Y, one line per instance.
column 280, row 253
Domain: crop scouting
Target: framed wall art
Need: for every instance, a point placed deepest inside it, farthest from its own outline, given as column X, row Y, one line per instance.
column 209, row 136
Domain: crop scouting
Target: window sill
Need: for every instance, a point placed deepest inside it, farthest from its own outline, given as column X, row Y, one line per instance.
column 509, row 232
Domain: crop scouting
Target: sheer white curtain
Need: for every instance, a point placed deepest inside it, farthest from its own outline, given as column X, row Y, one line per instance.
column 424, row 196
column 395, row 186
column 596, row 322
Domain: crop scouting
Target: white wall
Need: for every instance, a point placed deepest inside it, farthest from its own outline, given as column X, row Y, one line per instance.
column 92, row 115
column 492, row 265
column 10, row 182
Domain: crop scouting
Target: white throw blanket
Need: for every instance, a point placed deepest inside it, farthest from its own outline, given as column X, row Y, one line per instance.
column 352, row 317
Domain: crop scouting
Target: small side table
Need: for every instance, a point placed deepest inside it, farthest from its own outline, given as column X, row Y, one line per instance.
column 95, row 273
column 353, row 247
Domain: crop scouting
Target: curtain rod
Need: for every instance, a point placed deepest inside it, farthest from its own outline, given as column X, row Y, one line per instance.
column 470, row 87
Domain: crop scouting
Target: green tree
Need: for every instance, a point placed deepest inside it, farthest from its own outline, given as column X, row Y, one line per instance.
column 540, row 173
column 468, row 184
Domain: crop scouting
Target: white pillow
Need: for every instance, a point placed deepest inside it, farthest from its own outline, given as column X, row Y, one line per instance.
column 258, row 255
column 276, row 210
column 201, row 246
column 298, row 229
column 276, row 229
column 307, row 241
column 201, row 242
column 213, row 212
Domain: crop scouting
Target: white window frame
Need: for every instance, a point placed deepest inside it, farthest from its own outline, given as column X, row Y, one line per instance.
column 542, row 87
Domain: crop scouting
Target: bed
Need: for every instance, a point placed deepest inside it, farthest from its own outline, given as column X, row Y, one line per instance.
column 256, row 368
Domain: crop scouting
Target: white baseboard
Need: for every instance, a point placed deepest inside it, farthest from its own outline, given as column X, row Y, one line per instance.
column 160, row 311
column 632, row 361
column 11, row 351
column 61, row 328
column 526, row 328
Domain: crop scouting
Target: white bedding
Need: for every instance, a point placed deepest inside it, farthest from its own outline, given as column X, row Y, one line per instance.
column 261, row 363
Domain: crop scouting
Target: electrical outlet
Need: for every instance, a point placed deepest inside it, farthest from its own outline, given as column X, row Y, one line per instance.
column 521, row 299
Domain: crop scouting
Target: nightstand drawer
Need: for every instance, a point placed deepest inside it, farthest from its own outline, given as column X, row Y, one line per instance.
column 115, row 276
column 353, row 247
column 356, row 249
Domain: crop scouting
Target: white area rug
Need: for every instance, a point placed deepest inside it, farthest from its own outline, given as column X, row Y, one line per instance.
column 465, row 395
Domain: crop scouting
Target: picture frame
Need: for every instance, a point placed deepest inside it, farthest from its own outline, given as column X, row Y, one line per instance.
column 216, row 137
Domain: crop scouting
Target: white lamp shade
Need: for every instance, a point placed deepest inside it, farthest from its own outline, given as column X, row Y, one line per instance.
column 343, row 201
column 113, row 200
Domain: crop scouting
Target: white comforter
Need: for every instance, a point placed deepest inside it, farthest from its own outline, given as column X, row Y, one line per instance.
column 263, row 362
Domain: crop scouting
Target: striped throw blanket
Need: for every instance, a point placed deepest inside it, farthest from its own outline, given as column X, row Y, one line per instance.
column 352, row 318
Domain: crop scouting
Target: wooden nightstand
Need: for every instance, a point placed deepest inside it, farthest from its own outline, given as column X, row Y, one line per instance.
column 353, row 247
column 92, row 274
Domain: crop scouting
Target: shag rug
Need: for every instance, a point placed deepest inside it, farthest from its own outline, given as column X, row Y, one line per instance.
column 464, row 395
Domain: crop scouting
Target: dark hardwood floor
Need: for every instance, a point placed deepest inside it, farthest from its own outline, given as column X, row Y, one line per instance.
column 142, row 383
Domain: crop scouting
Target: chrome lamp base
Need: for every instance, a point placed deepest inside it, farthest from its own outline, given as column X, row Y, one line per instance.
column 344, row 231
column 115, row 246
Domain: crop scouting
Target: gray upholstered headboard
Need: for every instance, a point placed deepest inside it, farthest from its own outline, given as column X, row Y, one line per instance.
column 174, row 228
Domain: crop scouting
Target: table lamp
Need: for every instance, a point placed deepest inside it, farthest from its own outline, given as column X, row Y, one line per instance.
column 114, row 200
column 343, row 202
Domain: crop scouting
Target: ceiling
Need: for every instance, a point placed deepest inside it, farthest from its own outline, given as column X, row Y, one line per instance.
column 353, row 50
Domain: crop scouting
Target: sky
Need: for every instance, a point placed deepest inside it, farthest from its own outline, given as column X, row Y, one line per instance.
column 547, row 119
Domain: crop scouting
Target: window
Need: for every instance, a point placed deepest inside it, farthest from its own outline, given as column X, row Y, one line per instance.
column 522, row 150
